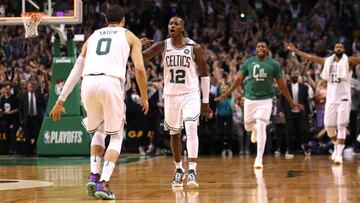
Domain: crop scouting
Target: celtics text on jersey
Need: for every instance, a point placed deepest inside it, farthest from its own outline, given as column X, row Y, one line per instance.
column 180, row 69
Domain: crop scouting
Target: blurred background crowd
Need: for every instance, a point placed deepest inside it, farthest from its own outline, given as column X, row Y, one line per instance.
column 228, row 31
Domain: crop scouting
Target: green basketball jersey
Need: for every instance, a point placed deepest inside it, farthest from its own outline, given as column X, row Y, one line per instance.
column 261, row 74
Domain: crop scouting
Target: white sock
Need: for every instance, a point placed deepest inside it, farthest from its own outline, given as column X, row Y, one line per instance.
column 339, row 150
column 261, row 138
column 192, row 165
column 95, row 162
column 192, row 145
column 335, row 147
column 107, row 170
column 179, row 165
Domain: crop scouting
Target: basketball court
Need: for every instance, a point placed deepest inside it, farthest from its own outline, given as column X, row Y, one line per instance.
column 148, row 179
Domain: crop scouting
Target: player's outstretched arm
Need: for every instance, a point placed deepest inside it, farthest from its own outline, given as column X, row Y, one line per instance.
column 291, row 47
column 284, row 90
column 147, row 42
column 354, row 60
column 155, row 49
column 140, row 73
column 204, row 81
column 69, row 85
column 239, row 80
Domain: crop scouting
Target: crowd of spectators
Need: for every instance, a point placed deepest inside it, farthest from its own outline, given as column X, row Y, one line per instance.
column 228, row 31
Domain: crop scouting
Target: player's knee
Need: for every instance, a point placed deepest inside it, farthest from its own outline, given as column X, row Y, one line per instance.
column 98, row 139
column 341, row 132
column 249, row 126
column 191, row 128
column 331, row 131
column 115, row 143
column 260, row 124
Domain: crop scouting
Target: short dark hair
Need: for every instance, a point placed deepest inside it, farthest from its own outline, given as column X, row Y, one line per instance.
column 262, row 41
column 339, row 43
column 114, row 14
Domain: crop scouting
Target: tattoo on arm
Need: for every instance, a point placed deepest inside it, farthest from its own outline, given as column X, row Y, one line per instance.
column 354, row 60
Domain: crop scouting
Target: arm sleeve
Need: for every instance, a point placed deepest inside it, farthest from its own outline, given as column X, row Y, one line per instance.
column 205, row 88
column 73, row 78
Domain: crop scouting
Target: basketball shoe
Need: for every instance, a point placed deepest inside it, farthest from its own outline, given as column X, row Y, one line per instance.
column 91, row 185
column 192, row 179
column 178, row 178
column 103, row 191
column 338, row 160
column 258, row 163
column 333, row 155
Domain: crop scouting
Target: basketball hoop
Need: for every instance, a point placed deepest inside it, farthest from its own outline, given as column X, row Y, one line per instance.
column 31, row 21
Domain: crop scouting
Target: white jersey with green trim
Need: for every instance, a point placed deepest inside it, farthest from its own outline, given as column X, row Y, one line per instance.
column 107, row 53
column 180, row 69
column 338, row 90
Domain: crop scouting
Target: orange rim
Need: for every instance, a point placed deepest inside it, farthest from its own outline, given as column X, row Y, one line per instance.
column 32, row 15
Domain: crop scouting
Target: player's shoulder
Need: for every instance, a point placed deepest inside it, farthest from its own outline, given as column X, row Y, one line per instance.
column 273, row 62
column 190, row 42
column 251, row 59
column 97, row 32
column 167, row 40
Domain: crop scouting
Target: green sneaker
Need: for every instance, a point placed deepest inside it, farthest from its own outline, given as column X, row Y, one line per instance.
column 192, row 181
column 178, row 178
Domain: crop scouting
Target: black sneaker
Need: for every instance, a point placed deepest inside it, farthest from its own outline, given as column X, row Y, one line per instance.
column 178, row 178
column 192, row 181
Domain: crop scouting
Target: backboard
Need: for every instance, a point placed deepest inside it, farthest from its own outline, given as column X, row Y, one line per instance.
column 55, row 11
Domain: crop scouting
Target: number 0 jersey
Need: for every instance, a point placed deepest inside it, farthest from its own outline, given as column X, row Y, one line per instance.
column 107, row 53
column 180, row 69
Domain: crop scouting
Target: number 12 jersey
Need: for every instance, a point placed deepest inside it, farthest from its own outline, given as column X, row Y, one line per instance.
column 180, row 69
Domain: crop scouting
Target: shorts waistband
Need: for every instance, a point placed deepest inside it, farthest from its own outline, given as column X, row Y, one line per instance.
column 95, row 74
column 103, row 74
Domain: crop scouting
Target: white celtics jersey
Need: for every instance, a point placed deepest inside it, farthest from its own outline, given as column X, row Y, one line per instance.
column 107, row 53
column 180, row 70
column 338, row 90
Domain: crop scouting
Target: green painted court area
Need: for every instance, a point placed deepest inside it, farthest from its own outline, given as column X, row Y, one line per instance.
column 46, row 161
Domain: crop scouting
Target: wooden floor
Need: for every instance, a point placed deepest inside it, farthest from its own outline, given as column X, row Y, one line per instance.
column 148, row 179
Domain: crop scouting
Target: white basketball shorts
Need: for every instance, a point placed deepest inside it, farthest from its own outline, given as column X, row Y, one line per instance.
column 257, row 109
column 103, row 100
column 181, row 108
column 337, row 114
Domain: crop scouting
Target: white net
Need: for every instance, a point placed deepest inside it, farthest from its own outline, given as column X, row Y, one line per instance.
column 31, row 21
